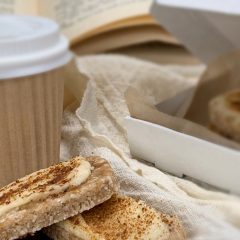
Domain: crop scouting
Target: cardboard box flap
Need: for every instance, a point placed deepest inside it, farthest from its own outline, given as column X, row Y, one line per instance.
column 207, row 28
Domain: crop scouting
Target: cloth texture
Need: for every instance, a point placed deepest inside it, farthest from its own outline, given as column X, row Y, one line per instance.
column 96, row 127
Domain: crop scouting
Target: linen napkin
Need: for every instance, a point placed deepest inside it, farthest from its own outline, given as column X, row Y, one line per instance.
column 95, row 127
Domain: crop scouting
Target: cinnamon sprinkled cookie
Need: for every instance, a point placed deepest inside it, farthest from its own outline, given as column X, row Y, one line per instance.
column 54, row 194
column 116, row 219
column 224, row 114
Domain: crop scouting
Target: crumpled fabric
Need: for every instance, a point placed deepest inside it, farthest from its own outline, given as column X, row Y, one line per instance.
column 96, row 127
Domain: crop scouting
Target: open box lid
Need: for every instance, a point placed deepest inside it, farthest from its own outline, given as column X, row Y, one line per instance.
column 184, row 155
column 207, row 28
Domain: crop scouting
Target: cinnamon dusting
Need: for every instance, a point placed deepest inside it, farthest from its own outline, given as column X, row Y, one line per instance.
column 39, row 181
column 122, row 218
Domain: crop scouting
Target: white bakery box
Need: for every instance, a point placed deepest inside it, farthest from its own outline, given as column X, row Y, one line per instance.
column 185, row 156
column 178, row 153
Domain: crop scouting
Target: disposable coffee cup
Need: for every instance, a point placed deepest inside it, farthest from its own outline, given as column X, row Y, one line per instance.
column 32, row 56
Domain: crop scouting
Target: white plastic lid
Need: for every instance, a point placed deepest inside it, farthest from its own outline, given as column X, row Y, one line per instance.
column 30, row 45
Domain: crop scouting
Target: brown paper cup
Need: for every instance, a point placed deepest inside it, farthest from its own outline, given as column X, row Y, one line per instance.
column 30, row 121
column 32, row 66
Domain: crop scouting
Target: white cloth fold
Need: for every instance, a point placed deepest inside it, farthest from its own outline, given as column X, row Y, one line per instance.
column 96, row 128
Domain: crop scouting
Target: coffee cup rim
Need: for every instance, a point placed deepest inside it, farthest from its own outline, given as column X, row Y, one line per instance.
column 30, row 53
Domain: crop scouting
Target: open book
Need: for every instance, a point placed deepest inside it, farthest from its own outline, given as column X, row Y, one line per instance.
column 96, row 25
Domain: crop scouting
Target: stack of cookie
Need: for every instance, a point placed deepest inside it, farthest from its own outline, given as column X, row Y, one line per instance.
column 79, row 199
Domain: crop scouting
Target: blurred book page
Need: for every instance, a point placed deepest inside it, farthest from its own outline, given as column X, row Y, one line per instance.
column 144, row 20
column 123, row 37
column 19, row 6
column 160, row 53
column 7, row 6
column 78, row 18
